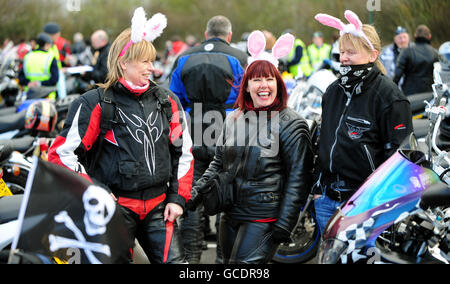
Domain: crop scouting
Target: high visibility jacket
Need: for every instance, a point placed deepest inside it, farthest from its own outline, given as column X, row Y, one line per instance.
column 54, row 50
column 303, row 65
column 37, row 65
column 317, row 55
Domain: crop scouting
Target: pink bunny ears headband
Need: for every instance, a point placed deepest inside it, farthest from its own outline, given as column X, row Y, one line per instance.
column 354, row 28
column 257, row 44
column 141, row 29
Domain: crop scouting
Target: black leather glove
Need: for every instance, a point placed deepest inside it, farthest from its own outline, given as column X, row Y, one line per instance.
column 196, row 199
column 280, row 235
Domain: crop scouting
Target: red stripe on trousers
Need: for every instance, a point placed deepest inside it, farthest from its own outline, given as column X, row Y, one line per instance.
column 169, row 234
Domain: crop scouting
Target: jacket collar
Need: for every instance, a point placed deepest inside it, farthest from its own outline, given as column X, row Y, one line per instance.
column 422, row 40
column 215, row 39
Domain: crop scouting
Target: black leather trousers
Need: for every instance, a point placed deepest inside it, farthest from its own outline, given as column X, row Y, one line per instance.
column 192, row 232
column 246, row 242
column 160, row 240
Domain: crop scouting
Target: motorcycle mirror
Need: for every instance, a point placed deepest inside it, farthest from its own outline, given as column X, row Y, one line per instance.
column 410, row 143
column 435, row 196
column 413, row 142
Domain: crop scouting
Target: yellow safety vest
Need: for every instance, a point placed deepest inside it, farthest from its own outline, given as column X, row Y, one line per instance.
column 317, row 55
column 54, row 50
column 304, row 61
column 37, row 65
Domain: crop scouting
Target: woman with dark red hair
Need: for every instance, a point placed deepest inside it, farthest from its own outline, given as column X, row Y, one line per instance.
column 265, row 153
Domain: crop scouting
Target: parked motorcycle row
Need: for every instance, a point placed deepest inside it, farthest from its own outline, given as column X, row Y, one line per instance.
column 401, row 214
column 29, row 122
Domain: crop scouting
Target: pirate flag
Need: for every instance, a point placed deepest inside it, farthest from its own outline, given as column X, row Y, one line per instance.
column 65, row 217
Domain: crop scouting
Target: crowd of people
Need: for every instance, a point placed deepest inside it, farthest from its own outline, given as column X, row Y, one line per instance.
column 161, row 171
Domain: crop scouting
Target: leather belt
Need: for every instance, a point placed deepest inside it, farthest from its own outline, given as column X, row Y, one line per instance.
column 339, row 195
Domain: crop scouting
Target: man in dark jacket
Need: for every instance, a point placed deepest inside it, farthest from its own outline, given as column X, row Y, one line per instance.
column 100, row 43
column 205, row 79
column 416, row 64
column 390, row 53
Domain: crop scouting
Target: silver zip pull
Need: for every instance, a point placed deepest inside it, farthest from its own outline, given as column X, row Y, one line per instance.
column 360, row 120
column 372, row 165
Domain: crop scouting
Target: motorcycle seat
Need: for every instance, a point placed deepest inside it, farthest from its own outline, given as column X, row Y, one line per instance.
column 417, row 101
column 9, row 208
column 5, row 150
column 40, row 92
column 442, row 142
column 21, row 144
column 12, row 122
column 8, row 111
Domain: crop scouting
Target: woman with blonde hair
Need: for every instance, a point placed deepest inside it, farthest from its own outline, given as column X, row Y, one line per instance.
column 365, row 117
column 130, row 136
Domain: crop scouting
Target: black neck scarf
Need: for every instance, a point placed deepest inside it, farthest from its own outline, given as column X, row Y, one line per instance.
column 354, row 75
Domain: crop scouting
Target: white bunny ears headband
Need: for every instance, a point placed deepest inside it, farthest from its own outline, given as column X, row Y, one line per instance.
column 354, row 28
column 257, row 43
column 141, row 29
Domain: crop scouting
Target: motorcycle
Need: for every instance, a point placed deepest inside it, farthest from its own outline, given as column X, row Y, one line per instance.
column 402, row 194
column 306, row 97
column 401, row 214
column 12, row 119
column 16, row 159
column 5, row 151
column 9, row 203
column 9, row 86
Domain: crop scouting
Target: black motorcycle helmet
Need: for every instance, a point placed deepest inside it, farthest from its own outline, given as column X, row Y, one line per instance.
column 41, row 116
column 9, row 94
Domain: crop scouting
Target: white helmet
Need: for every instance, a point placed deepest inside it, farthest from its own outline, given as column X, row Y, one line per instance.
column 444, row 56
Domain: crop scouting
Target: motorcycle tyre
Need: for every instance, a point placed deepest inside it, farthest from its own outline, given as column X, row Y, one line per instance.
column 301, row 254
column 16, row 183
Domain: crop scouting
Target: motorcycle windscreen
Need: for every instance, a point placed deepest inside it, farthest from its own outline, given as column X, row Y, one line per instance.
column 390, row 194
column 397, row 178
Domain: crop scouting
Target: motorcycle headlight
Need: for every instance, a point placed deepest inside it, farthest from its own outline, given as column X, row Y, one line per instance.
column 331, row 250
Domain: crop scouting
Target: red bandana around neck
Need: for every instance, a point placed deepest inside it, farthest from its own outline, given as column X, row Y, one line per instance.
column 134, row 89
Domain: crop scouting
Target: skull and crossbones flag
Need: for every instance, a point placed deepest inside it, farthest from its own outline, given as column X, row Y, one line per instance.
column 66, row 218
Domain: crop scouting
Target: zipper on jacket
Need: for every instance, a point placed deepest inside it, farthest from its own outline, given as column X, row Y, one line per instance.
column 349, row 99
column 360, row 120
column 142, row 105
column 372, row 165
column 337, row 130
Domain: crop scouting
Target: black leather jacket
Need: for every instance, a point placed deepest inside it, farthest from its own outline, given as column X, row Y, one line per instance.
column 273, row 175
column 416, row 64
column 359, row 131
